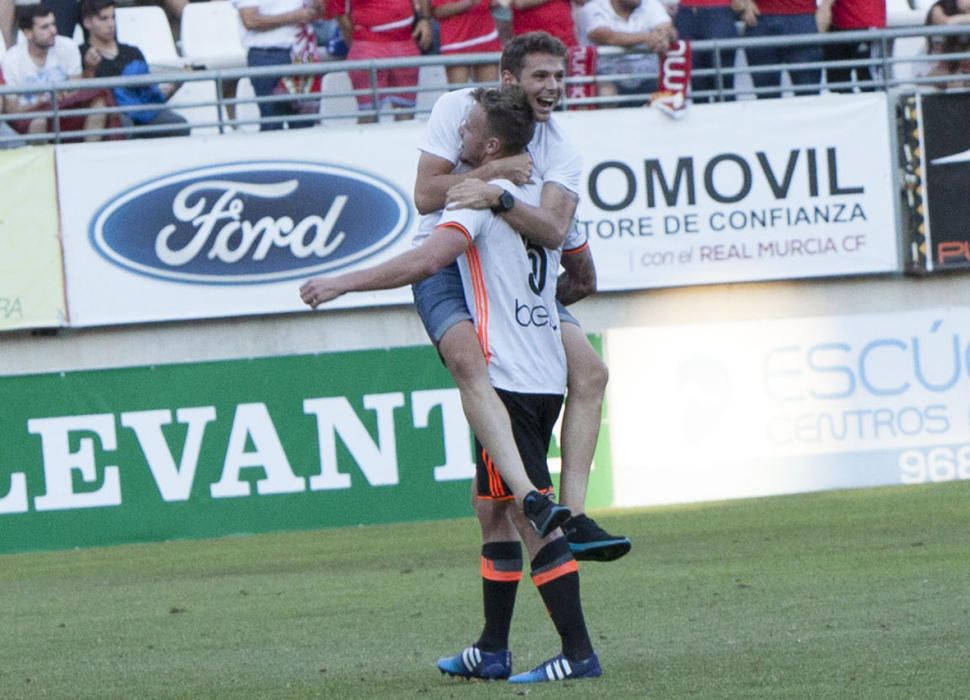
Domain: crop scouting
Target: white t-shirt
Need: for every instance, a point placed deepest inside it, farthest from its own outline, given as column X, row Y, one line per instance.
column 279, row 38
column 554, row 158
column 510, row 289
column 600, row 13
column 63, row 62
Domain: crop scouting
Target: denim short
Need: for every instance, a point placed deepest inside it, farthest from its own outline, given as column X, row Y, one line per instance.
column 440, row 303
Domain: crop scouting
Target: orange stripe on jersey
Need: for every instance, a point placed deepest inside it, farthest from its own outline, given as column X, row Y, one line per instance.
column 489, row 572
column 580, row 249
column 458, row 227
column 567, row 567
column 481, row 300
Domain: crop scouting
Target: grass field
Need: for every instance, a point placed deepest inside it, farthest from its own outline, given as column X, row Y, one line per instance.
column 851, row 594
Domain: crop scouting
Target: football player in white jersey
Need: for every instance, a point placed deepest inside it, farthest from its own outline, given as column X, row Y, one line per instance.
column 510, row 284
column 536, row 62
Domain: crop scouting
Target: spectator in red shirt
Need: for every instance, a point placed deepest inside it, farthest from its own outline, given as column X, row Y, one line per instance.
column 777, row 19
column 853, row 15
column 384, row 29
column 467, row 26
column 552, row 16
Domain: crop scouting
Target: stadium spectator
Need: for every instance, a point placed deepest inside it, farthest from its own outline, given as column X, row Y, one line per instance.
column 269, row 32
column 551, row 16
column 947, row 13
column 67, row 16
column 853, row 15
column 104, row 57
column 46, row 58
column 467, row 26
column 708, row 20
column 777, row 19
column 391, row 29
column 629, row 24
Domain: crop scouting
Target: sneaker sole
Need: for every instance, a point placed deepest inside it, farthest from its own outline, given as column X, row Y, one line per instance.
column 600, row 551
column 556, row 519
column 473, row 678
column 525, row 679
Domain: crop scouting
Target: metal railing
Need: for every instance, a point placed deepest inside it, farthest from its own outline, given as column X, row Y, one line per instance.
column 899, row 64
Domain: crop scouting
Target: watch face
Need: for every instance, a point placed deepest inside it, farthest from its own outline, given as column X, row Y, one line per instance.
column 506, row 200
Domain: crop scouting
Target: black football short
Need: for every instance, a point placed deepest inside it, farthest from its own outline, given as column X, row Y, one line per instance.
column 533, row 417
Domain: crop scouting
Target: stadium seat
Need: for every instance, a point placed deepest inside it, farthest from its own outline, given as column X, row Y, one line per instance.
column 196, row 101
column 210, row 35
column 910, row 47
column 899, row 13
column 337, row 105
column 432, row 83
column 147, row 28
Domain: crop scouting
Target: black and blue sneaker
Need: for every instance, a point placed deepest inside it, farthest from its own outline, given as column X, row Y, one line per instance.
column 475, row 663
column 544, row 513
column 560, row 669
column 589, row 542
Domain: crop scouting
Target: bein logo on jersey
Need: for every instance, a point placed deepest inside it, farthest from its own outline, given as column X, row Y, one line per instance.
column 250, row 223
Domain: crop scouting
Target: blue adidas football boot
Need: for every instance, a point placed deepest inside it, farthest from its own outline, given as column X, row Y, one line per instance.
column 560, row 669
column 475, row 663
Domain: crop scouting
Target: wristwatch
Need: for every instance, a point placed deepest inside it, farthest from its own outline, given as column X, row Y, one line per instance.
column 505, row 202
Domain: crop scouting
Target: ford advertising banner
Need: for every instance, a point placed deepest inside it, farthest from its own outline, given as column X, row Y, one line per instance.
column 769, row 407
column 230, row 225
column 240, row 446
column 740, row 191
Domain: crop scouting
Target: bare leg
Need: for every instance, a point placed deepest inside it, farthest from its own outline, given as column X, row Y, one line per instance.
column 96, row 121
column 229, row 89
column 37, row 126
column 495, row 519
column 457, row 74
column 485, row 73
column 587, row 380
column 502, row 523
column 484, row 410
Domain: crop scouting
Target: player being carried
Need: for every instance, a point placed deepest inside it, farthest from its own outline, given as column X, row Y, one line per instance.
column 500, row 270
column 536, row 62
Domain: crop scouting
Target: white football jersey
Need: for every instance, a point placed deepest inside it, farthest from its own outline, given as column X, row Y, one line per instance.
column 510, row 290
column 554, row 158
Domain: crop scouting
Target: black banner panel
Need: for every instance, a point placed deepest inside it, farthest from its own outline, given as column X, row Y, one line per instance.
column 946, row 155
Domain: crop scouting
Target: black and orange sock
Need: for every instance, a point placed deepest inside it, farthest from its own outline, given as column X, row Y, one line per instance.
column 556, row 575
column 501, row 573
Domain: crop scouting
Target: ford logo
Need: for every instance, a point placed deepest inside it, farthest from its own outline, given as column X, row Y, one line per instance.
column 247, row 223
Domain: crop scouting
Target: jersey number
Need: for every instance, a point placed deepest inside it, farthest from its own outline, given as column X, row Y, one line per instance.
column 537, row 256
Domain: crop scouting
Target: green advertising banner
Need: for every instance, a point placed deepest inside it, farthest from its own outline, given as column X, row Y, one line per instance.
column 241, row 446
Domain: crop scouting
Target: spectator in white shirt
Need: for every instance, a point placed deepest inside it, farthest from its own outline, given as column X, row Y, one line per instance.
column 43, row 59
column 635, row 25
